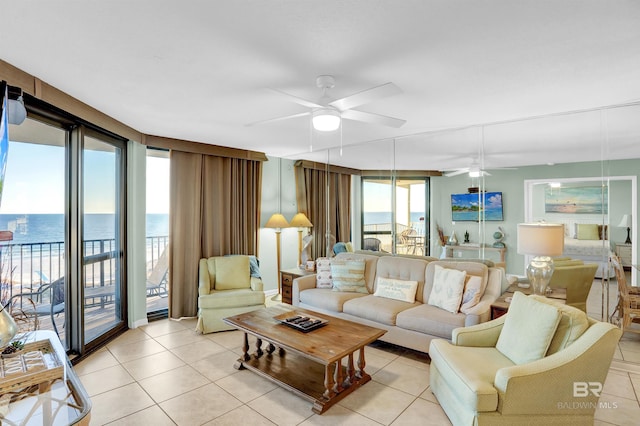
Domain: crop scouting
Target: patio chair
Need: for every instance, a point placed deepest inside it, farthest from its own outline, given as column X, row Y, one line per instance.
column 372, row 244
column 47, row 300
column 157, row 279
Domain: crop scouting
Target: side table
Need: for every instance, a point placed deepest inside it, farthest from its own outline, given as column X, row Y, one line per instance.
column 286, row 281
column 60, row 401
column 501, row 306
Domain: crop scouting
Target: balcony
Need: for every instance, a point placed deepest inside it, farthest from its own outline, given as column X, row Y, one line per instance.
column 26, row 268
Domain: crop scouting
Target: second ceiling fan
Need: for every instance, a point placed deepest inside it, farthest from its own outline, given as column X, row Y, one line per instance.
column 327, row 114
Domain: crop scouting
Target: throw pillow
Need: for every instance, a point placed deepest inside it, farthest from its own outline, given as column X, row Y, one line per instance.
column 528, row 329
column 232, row 272
column 402, row 290
column 323, row 273
column 473, row 292
column 588, row 231
column 448, row 285
column 348, row 275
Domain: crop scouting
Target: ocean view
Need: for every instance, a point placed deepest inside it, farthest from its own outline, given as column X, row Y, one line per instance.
column 49, row 228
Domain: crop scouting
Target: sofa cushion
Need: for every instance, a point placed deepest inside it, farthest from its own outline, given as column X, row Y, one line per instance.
column 323, row 273
column 232, row 272
column 370, row 266
column 471, row 268
column 325, row 298
column 400, row 268
column 573, row 323
column 378, row 309
column 348, row 275
column 473, row 291
column 528, row 329
column 431, row 320
column 448, row 285
column 404, row 291
column 231, row 299
column 470, row 372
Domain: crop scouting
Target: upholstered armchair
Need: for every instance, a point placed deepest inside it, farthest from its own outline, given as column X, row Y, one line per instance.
column 577, row 279
column 541, row 363
column 226, row 287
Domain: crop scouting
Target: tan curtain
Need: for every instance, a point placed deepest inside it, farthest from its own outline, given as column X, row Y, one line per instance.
column 215, row 210
column 325, row 197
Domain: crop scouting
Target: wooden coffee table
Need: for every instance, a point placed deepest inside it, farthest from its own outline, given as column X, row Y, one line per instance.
column 308, row 364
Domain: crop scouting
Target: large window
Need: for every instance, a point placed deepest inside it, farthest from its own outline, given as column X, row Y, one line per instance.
column 157, row 232
column 63, row 200
column 395, row 215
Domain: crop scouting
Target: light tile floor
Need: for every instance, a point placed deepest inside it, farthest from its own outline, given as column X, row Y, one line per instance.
column 166, row 374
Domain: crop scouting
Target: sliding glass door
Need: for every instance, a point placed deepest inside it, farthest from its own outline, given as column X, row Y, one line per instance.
column 102, row 237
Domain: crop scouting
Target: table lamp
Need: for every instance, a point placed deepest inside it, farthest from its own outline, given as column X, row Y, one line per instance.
column 626, row 223
column 541, row 240
column 277, row 222
column 300, row 221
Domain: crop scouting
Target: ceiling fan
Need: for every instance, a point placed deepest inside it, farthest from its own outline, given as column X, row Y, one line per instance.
column 327, row 114
column 474, row 170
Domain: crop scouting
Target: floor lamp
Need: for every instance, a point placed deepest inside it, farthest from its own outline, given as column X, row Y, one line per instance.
column 277, row 222
column 300, row 221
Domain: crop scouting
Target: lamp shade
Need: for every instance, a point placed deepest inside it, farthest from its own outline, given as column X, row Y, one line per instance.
column 277, row 221
column 300, row 220
column 541, row 239
column 326, row 120
column 625, row 222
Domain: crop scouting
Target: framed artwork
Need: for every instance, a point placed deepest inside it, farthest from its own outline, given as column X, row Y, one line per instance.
column 468, row 207
column 576, row 200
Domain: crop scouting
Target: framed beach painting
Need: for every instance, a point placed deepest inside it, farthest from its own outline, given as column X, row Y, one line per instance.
column 576, row 200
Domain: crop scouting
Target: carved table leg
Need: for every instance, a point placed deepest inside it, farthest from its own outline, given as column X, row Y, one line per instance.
column 339, row 378
column 245, row 353
column 270, row 348
column 351, row 371
column 361, row 363
column 328, row 381
column 259, row 348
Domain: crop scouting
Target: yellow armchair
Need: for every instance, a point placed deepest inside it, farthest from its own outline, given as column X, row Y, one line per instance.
column 477, row 384
column 225, row 288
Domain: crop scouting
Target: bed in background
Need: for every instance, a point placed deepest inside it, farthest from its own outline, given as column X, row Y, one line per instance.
column 588, row 242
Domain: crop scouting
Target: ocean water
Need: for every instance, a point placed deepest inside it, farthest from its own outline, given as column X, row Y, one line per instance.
column 373, row 218
column 49, row 228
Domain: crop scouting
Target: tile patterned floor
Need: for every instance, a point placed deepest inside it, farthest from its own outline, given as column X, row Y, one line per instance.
column 166, row 374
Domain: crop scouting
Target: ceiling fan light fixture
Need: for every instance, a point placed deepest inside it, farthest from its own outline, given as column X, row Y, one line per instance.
column 326, row 120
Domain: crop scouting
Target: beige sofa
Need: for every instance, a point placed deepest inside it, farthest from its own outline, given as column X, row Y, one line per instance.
column 411, row 325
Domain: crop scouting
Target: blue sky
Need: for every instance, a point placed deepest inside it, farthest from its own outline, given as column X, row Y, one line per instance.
column 35, row 181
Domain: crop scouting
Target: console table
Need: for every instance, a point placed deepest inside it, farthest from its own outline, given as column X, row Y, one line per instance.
column 501, row 251
column 58, row 401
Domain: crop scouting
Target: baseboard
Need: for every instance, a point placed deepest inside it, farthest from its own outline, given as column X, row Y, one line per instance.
column 140, row 323
column 270, row 293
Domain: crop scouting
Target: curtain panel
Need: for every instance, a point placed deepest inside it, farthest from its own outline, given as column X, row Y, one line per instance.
column 215, row 210
column 325, row 197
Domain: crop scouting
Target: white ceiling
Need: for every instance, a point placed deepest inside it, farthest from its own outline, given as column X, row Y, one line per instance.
column 199, row 70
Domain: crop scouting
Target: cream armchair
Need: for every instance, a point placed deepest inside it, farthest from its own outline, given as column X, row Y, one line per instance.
column 225, row 288
column 483, row 377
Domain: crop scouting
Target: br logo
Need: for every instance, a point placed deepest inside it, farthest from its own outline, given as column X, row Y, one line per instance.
column 583, row 389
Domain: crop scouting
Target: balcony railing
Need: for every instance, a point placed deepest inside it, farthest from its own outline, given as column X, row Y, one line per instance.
column 25, row 267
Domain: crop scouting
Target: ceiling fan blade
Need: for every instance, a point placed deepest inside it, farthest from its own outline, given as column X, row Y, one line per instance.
column 299, row 101
column 368, row 117
column 456, row 172
column 273, row 120
column 366, row 96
